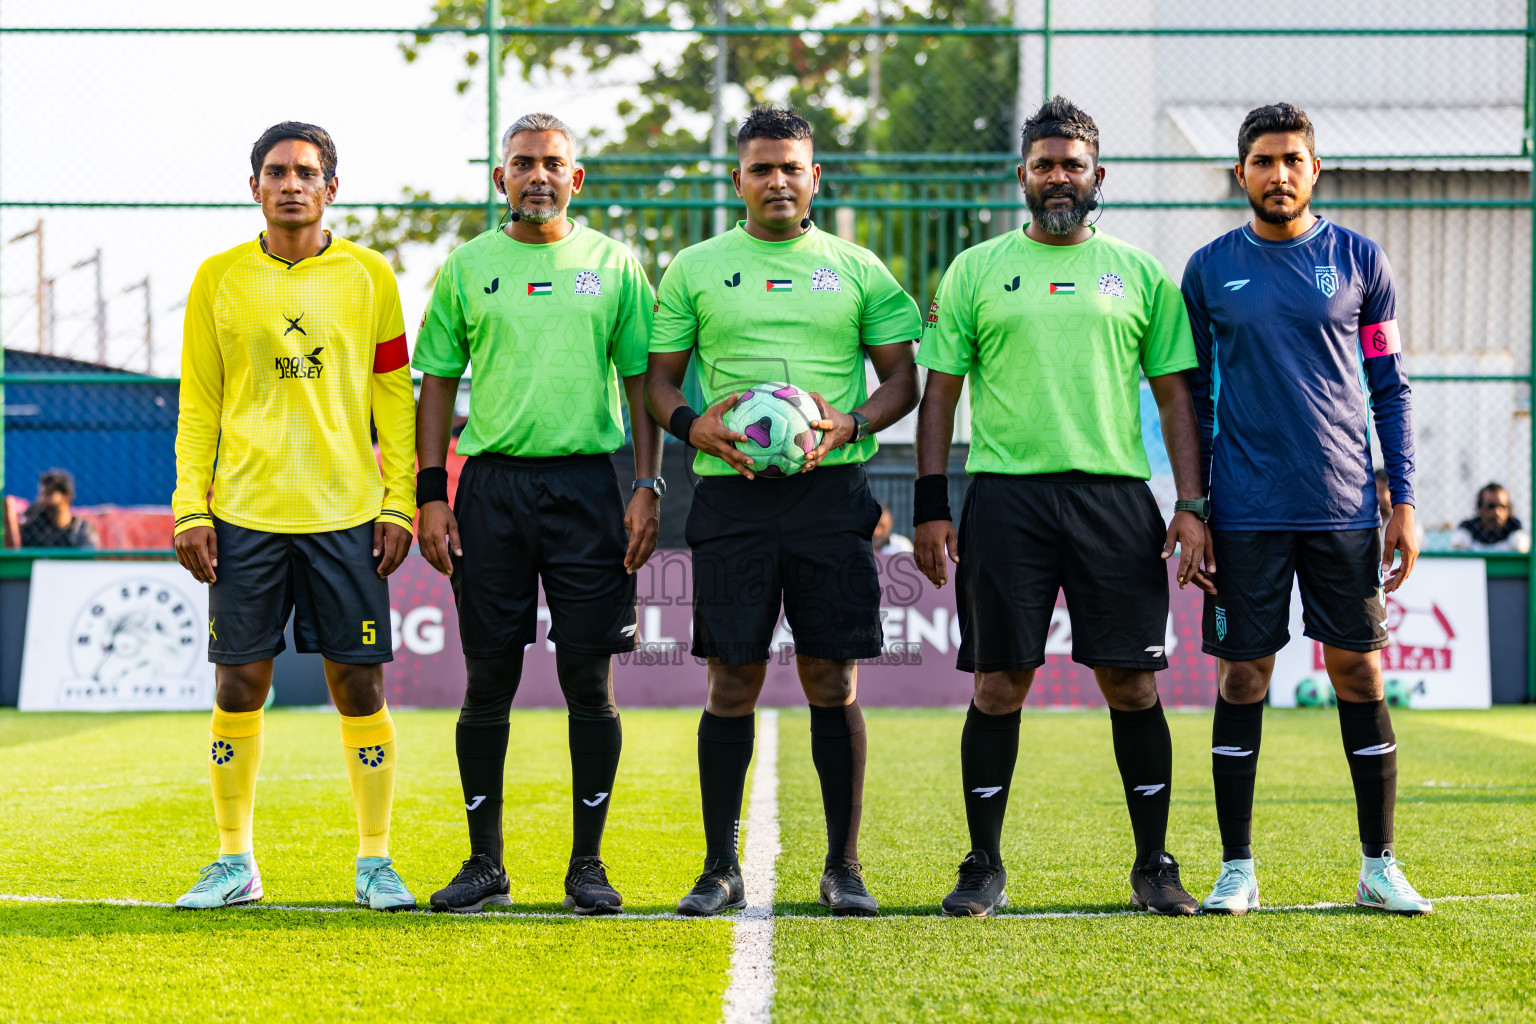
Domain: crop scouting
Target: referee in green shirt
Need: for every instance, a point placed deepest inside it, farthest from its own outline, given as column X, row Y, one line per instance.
column 550, row 314
column 1054, row 324
column 776, row 299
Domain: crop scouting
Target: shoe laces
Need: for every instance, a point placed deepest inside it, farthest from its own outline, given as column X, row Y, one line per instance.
column 712, row 877
column 1164, row 873
column 589, row 872
column 1233, row 882
column 848, row 877
column 211, row 876
column 1391, row 873
column 384, row 877
column 477, row 870
column 974, row 874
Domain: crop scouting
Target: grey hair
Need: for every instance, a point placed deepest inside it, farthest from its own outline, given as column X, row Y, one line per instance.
column 537, row 122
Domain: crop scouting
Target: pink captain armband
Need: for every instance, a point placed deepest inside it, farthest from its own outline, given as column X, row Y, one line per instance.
column 1380, row 339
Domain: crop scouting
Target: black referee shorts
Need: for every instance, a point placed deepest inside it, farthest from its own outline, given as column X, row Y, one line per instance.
column 1023, row 538
column 1337, row 571
column 804, row 541
column 329, row 582
column 559, row 520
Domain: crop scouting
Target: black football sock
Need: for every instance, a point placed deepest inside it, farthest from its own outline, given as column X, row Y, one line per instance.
column 989, row 748
column 838, row 750
column 481, row 743
column 1234, row 766
column 482, row 751
column 725, row 752
column 1371, row 748
column 596, row 738
column 1144, row 752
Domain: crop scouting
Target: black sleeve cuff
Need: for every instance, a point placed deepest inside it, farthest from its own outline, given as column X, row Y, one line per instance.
column 931, row 499
column 682, row 422
column 431, row 485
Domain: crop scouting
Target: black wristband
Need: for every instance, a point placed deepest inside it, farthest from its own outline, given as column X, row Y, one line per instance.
column 682, row 422
column 930, row 499
column 431, row 485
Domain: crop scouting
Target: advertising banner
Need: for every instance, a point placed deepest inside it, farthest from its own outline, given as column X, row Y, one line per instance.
column 115, row 636
column 916, row 668
column 1438, row 656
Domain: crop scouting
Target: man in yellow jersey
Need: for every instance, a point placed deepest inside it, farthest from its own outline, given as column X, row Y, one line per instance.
column 292, row 342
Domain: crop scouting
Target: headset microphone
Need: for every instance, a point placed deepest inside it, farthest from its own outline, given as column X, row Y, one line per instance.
column 516, row 216
column 805, row 222
column 1093, row 200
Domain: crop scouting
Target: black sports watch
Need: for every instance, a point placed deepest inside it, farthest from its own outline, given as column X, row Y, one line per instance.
column 1201, row 507
column 860, row 426
column 654, row 483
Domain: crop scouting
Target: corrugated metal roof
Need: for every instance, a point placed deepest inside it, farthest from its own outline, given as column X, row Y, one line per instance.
column 1379, row 138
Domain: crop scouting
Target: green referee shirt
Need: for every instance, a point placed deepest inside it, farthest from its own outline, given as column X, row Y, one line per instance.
column 1054, row 339
column 545, row 327
column 798, row 311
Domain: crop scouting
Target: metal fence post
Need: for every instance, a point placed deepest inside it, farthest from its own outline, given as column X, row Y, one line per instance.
column 1530, row 151
column 492, row 118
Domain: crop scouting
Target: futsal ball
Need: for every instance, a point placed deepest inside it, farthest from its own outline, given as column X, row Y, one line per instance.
column 1315, row 693
column 1398, row 693
column 777, row 420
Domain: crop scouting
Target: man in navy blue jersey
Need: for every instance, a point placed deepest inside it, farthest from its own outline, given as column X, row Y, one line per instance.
column 1295, row 327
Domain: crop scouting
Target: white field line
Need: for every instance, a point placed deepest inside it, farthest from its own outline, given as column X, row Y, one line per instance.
column 749, row 994
column 740, row 919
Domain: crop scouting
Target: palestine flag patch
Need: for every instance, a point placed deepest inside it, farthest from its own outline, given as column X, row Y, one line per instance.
column 781, row 286
column 545, row 287
column 1063, row 288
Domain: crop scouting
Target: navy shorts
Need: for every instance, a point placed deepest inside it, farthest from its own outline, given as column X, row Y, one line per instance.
column 328, row 582
column 1337, row 571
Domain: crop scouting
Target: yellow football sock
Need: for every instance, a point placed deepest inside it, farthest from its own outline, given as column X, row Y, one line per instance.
column 369, row 743
column 232, row 764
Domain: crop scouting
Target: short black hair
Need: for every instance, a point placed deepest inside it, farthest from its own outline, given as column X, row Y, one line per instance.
column 767, row 121
column 1059, row 118
column 304, row 133
column 1276, row 117
column 57, row 481
column 1492, row 485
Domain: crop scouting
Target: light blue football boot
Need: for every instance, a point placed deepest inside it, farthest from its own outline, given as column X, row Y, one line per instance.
column 1383, row 887
column 231, row 880
column 379, row 888
column 1236, row 891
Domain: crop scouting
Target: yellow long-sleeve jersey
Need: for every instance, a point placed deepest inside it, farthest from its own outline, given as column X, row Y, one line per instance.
column 282, row 365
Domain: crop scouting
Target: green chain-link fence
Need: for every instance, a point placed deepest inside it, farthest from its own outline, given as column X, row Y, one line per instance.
column 1423, row 114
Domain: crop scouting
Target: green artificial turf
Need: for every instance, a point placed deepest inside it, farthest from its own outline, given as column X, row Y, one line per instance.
column 96, row 807
column 1467, row 789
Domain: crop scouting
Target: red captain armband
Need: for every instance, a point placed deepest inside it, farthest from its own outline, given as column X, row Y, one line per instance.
column 1380, row 339
column 390, row 355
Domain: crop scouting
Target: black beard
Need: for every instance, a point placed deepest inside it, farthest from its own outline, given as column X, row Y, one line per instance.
column 1058, row 222
column 1269, row 216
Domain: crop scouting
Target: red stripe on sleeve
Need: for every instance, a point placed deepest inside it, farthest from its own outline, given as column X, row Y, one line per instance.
column 390, row 355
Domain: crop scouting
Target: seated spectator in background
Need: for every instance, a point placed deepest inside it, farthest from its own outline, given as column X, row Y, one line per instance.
column 48, row 522
column 886, row 542
column 1494, row 528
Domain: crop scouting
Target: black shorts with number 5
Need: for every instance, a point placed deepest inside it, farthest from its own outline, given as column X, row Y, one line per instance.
column 328, row 581
column 1337, row 571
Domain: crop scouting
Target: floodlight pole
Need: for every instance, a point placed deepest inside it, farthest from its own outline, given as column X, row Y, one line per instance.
column 101, row 308
column 717, row 115
column 149, row 324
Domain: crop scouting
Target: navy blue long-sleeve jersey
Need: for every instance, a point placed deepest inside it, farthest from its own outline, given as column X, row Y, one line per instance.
column 1298, row 346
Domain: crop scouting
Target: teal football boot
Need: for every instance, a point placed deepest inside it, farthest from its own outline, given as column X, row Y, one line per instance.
column 1236, row 891
column 1383, row 887
column 379, row 888
column 229, row 881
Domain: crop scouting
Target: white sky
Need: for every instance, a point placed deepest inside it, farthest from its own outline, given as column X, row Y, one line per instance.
column 171, row 118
